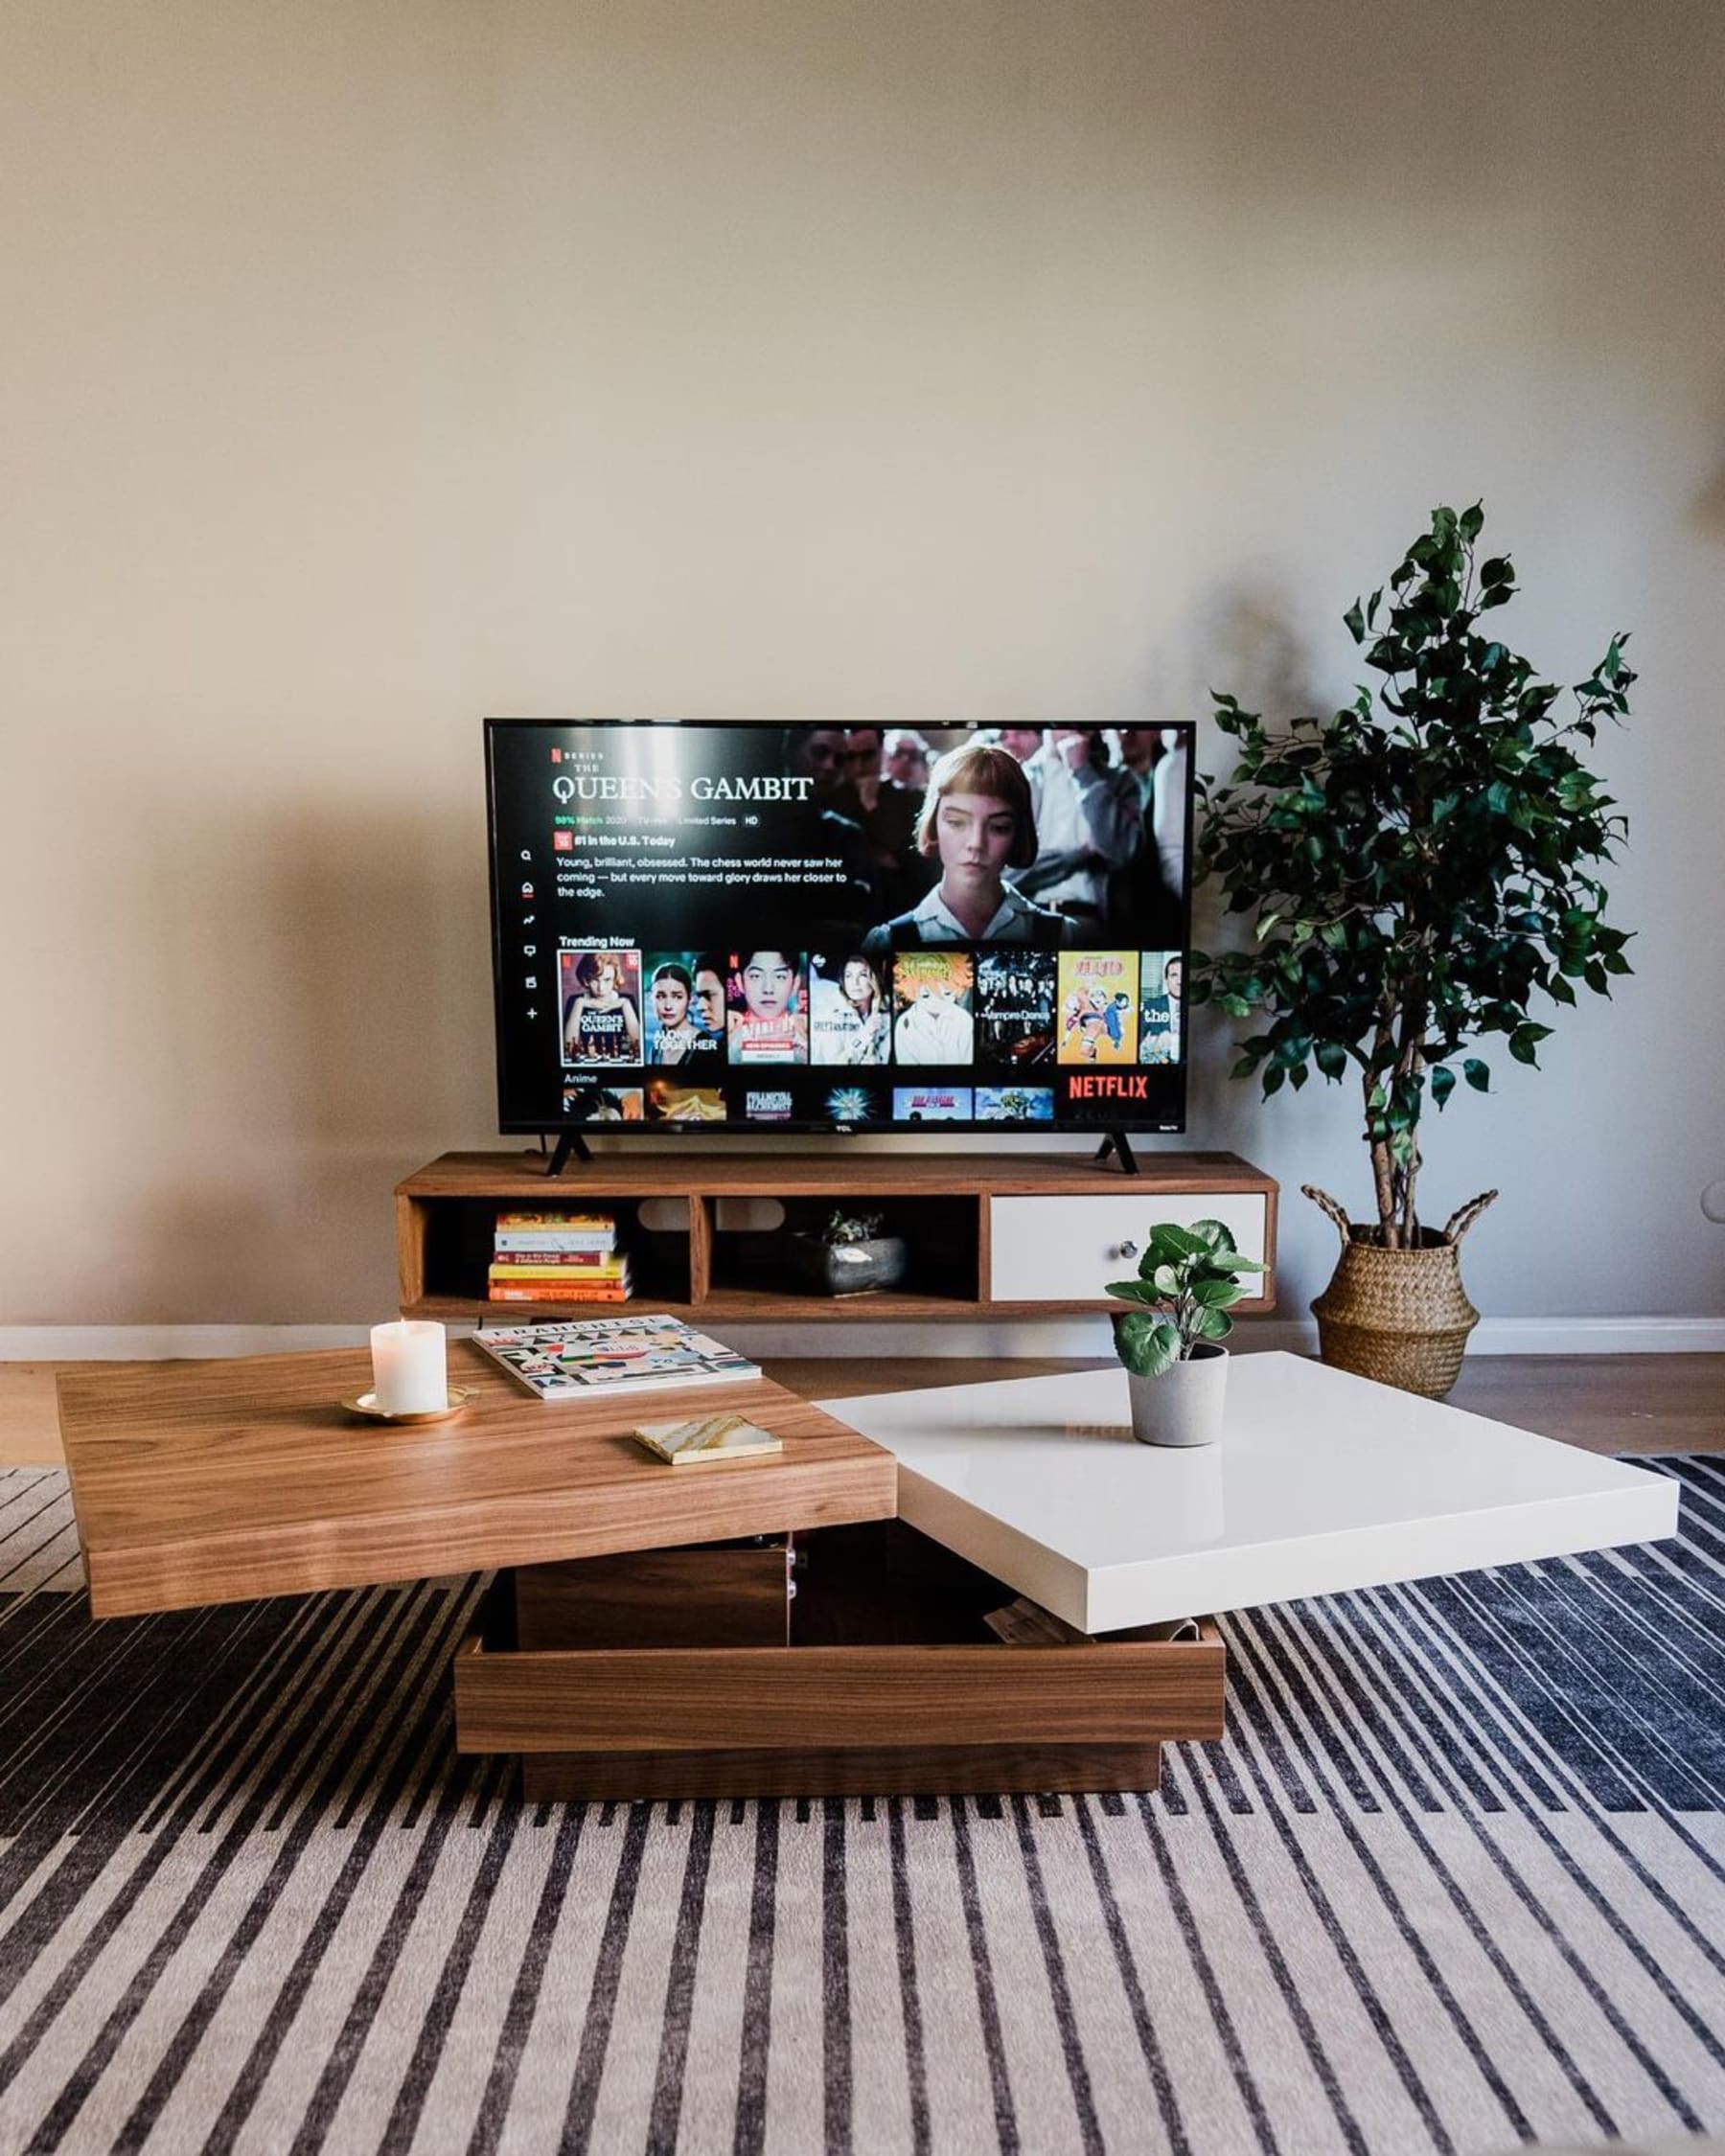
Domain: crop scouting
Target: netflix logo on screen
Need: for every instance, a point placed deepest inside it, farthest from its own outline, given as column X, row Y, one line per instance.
column 1116, row 1088
column 1137, row 1099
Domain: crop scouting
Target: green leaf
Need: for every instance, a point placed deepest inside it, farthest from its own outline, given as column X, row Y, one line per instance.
column 1478, row 1074
column 1444, row 1083
column 1213, row 1324
column 1147, row 1345
column 1214, row 1235
column 1525, row 1040
column 1216, row 1294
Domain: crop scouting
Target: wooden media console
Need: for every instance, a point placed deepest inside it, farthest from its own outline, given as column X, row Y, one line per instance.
column 998, row 1236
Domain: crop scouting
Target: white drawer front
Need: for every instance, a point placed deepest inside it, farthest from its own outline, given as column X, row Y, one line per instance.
column 1068, row 1250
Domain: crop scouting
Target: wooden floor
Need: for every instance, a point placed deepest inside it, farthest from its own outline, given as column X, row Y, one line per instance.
column 1607, row 1403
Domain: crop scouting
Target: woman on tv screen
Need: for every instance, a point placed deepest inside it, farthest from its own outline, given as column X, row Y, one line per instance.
column 977, row 821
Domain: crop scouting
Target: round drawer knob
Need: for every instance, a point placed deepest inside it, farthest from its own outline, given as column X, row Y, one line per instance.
column 1128, row 1249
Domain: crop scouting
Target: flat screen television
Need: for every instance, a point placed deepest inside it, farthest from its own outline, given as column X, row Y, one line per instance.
column 731, row 925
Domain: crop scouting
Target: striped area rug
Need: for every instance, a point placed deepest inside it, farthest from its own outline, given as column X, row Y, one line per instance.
column 1455, row 1880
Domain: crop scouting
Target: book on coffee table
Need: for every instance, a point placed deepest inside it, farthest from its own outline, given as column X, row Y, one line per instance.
column 706, row 1439
column 590, row 1356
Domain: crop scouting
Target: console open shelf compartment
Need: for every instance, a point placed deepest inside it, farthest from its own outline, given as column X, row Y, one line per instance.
column 1012, row 1235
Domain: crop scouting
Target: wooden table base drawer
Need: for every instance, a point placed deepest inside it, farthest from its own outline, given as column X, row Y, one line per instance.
column 840, row 1699
column 892, row 1682
column 983, row 1770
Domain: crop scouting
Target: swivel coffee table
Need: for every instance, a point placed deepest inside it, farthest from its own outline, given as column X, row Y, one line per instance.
column 811, row 1623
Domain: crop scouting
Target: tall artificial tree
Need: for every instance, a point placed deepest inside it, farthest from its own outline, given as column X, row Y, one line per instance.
column 1419, row 866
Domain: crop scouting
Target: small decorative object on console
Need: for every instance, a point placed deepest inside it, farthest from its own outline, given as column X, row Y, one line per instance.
column 706, row 1438
column 849, row 1254
column 1169, row 1341
column 609, row 1355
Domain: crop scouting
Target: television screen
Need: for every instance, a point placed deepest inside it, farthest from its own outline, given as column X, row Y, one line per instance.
column 740, row 927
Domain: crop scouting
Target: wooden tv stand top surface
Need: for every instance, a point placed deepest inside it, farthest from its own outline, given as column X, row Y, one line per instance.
column 678, row 1171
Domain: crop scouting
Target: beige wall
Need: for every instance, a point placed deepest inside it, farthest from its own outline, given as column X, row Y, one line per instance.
column 371, row 368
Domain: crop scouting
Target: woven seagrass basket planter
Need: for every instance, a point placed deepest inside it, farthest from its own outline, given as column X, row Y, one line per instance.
column 1401, row 1316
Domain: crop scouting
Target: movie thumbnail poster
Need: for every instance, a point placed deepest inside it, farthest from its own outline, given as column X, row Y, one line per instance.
column 850, row 1019
column 668, row 1102
column 604, row 1103
column 1160, row 1001
column 1098, row 1007
column 601, row 1008
column 684, row 1010
column 1015, row 1007
column 768, row 1001
column 850, row 1105
column 1015, row 1103
column 930, row 1104
column 932, row 995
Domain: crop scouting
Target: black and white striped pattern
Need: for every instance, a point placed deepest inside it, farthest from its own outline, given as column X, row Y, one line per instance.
column 1454, row 1880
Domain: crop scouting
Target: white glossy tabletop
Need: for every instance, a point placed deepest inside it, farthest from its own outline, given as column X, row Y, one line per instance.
column 1322, row 1481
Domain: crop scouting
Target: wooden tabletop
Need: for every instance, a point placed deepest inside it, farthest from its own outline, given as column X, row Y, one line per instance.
column 200, row 1483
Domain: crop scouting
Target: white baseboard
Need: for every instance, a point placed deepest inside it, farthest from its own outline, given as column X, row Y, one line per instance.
column 1027, row 1337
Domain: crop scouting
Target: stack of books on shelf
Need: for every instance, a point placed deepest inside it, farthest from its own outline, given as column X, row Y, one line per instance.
column 557, row 1257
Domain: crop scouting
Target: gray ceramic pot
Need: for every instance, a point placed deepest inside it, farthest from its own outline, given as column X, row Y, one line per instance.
column 847, row 1269
column 1183, row 1406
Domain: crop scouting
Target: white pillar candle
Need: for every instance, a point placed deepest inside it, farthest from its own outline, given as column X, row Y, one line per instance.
column 409, row 1373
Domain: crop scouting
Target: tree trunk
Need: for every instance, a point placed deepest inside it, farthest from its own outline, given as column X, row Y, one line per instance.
column 1383, row 1167
column 1383, row 1176
column 1409, row 1063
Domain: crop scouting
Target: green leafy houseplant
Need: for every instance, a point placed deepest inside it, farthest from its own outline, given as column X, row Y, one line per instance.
column 1420, row 865
column 1188, row 1280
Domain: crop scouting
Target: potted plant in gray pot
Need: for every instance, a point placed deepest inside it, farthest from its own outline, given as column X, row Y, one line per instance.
column 1170, row 1339
column 1417, row 870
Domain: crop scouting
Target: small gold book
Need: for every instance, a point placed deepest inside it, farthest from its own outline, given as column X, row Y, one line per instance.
column 706, row 1439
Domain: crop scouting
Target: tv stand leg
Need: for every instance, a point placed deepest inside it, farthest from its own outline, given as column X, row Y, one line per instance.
column 1116, row 1142
column 567, row 1142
